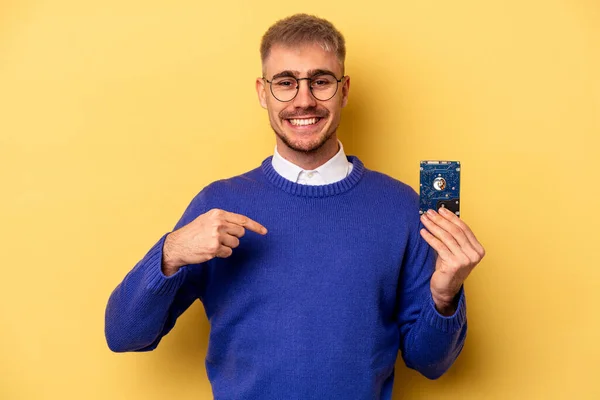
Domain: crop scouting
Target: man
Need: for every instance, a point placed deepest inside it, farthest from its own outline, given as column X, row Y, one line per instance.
column 346, row 276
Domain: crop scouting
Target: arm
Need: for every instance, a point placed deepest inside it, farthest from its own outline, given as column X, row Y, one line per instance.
column 145, row 305
column 432, row 301
column 430, row 342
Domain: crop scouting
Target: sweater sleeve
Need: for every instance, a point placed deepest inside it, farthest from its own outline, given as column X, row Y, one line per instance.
column 430, row 342
column 145, row 305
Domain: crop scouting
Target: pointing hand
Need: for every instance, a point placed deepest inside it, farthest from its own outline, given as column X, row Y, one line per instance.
column 213, row 234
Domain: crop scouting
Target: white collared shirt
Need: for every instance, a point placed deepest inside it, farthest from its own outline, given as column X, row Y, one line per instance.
column 337, row 168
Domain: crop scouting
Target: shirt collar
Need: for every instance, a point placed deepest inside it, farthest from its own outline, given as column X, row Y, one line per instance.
column 335, row 169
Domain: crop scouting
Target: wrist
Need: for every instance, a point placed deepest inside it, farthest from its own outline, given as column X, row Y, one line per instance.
column 446, row 306
column 170, row 263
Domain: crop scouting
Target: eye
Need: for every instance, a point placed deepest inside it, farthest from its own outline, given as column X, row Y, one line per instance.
column 285, row 83
column 322, row 81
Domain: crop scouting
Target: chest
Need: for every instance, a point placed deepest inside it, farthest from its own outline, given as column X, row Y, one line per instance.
column 311, row 260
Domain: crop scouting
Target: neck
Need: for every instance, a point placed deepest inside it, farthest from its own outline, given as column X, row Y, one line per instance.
column 310, row 160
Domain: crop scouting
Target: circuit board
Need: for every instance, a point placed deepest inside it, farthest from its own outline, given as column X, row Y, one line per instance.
column 439, row 186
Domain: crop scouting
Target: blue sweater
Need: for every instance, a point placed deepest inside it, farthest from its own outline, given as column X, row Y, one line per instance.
column 316, row 309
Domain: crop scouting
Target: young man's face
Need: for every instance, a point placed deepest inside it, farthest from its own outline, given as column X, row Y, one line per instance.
column 305, row 123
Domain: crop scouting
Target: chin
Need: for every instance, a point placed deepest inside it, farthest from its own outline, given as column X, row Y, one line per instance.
column 305, row 144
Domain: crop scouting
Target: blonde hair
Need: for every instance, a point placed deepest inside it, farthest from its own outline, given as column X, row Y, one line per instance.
column 304, row 29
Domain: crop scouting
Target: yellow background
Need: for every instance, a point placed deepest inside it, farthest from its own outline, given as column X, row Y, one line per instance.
column 114, row 114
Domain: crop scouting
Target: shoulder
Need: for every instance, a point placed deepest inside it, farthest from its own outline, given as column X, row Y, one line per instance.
column 218, row 190
column 243, row 181
column 222, row 193
column 399, row 201
column 388, row 185
column 392, row 197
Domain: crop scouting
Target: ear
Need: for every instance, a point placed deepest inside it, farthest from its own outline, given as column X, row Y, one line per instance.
column 345, row 91
column 261, row 92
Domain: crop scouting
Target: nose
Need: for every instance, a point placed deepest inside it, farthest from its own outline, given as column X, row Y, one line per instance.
column 304, row 98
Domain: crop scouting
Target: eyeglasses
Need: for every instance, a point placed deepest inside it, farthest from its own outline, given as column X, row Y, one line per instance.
column 323, row 86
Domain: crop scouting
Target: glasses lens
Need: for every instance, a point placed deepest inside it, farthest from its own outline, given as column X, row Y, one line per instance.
column 284, row 89
column 323, row 86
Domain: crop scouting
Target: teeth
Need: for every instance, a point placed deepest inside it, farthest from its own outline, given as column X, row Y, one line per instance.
column 302, row 122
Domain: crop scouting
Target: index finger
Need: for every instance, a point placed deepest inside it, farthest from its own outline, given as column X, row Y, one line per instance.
column 246, row 222
column 465, row 228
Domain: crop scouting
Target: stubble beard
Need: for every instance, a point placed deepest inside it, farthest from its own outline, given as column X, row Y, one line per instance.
column 312, row 147
column 309, row 148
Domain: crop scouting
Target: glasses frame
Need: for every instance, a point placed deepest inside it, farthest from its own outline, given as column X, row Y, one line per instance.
column 309, row 79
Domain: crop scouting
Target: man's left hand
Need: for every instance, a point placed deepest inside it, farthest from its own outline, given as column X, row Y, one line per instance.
column 458, row 252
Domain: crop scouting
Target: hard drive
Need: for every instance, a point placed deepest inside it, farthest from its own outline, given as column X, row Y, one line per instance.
column 439, row 186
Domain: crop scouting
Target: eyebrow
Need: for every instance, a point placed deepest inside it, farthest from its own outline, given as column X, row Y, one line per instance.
column 296, row 74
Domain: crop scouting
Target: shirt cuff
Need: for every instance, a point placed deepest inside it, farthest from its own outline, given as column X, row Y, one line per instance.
column 448, row 324
column 154, row 279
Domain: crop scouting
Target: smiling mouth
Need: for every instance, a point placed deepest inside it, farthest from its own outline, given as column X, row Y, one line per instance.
column 304, row 121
